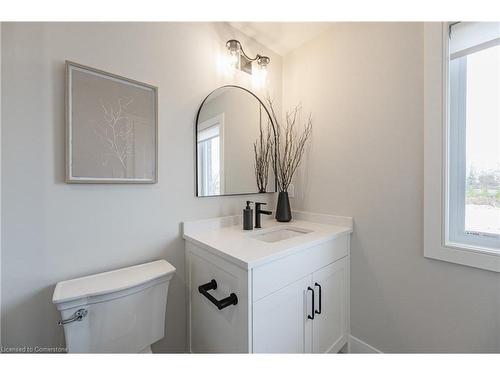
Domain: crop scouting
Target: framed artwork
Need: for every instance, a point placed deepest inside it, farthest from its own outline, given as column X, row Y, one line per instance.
column 111, row 128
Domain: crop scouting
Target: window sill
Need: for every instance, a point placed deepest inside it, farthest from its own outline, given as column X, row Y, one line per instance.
column 483, row 258
column 476, row 249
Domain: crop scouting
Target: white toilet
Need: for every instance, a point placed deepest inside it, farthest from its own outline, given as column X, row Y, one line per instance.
column 121, row 311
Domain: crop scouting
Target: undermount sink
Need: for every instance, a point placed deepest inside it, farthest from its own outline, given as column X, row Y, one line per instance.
column 280, row 234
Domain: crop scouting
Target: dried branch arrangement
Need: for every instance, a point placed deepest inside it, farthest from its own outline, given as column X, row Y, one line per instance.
column 117, row 130
column 262, row 149
column 288, row 144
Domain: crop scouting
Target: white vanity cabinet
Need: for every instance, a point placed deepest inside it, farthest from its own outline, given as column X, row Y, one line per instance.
column 295, row 301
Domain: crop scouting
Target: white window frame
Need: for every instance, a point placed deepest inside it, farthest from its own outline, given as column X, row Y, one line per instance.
column 455, row 167
column 437, row 245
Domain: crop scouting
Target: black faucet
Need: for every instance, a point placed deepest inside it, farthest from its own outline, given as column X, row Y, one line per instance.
column 258, row 211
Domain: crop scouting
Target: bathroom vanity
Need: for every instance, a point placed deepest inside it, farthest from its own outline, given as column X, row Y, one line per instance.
column 280, row 289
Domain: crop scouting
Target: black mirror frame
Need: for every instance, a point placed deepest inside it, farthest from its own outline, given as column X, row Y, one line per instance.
column 196, row 143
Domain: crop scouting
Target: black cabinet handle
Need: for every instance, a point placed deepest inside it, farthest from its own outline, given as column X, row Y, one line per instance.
column 223, row 303
column 312, row 310
column 318, row 311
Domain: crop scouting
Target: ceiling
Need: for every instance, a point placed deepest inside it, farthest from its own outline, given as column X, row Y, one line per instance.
column 282, row 37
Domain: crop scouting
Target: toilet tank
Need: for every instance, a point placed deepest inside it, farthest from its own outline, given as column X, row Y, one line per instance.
column 125, row 308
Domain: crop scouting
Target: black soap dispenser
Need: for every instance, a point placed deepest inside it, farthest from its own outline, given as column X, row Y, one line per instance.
column 248, row 217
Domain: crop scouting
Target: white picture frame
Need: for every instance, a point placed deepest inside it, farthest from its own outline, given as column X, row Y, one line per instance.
column 111, row 128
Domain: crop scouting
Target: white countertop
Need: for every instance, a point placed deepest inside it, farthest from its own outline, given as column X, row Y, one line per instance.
column 226, row 238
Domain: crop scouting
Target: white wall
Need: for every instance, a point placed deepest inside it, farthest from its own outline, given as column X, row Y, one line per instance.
column 364, row 86
column 55, row 231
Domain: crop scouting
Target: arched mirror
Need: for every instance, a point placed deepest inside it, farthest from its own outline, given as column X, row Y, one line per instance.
column 233, row 135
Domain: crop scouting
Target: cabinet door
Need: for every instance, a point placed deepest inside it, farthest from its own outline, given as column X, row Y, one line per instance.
column 211, row 330
column 330, row 326
column 280, row 323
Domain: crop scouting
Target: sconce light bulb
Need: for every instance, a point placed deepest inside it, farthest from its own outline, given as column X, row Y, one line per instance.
column 234, row 59
column 260, row 74
column 233, row 47
column 263, row 61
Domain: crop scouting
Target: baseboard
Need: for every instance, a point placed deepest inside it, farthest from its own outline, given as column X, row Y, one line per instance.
column 359, row 346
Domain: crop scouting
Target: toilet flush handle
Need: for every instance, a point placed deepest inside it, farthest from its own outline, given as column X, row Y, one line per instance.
column 77, row 317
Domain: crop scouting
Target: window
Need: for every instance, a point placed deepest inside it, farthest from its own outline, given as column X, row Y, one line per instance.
column 473, row 137
column 459, row 105
column 210, row 156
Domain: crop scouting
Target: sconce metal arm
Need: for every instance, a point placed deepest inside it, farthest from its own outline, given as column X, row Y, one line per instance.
column 257, row 57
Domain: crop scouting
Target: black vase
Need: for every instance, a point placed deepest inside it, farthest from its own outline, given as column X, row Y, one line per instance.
column 283, row 212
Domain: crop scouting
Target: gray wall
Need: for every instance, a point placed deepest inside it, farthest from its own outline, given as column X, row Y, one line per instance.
column 55, row 231
column 364, row 86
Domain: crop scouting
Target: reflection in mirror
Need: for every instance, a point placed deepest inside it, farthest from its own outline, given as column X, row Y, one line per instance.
column 228, row 124
column 210, row 157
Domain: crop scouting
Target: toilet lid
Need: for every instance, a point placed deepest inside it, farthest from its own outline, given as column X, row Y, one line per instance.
column 112, row 281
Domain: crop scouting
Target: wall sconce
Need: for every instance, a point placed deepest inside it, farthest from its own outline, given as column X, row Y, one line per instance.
column 238, row 59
